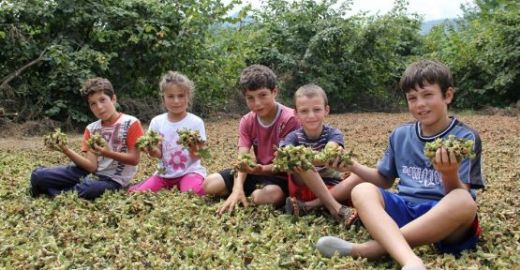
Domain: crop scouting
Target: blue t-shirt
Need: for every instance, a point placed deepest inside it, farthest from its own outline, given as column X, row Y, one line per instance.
column 404, row 158
column 328, row 133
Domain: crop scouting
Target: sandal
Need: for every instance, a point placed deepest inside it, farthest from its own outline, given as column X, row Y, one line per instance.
column 295, row 207
column 251, row 201
column 347, row 216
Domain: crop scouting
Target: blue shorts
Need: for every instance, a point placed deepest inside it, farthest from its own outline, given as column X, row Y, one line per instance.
column 403, row 212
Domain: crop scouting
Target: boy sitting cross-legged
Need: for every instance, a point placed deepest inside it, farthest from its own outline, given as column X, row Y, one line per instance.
column 435, row 201
column 100, row 168
column 263, row 127
column 311, row 105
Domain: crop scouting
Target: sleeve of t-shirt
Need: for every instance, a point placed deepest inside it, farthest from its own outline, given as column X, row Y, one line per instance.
column 290, row 139
column 290, row 125
column 337, row 137
column 470, row 170
column 134, row 132
column 84, row 145
column 244, row 129
column 202, row 130
column 154, row 124
column 386, row 166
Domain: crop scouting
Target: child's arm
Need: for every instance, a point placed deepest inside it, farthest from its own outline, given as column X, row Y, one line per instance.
column 155, row 151
column 368, row 174
column 87, row 162
column 330, row 144
column 446, row 164
column 237, row 194
column 195, row 149
column 130, row 158
column 258, row 169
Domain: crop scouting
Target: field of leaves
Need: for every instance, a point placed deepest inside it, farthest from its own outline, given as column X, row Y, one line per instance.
column 170, row 230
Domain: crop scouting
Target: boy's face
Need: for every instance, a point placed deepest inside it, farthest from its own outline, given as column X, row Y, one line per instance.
column 175, row 100
column 261, row 101
column 429, row 106
column 311, row 112
column 102, row 106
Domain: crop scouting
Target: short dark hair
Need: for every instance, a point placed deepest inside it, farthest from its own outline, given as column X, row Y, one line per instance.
column 426, row 71
column 95, row 85
column 255, row 77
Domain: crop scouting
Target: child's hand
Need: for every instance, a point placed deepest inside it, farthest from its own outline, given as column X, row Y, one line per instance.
column 194, row 149
column 245, row 167
column 58, row 148
column 257, row 169
column 150, row 143
column 99, row 150
column 199, row 150
column 232, row 201
column 445, row 162
column 153, row 151
column 62, row 148
column 56, row 141
column 300, row 170
column 245, row 162
column 96, row 144
column 340, row 165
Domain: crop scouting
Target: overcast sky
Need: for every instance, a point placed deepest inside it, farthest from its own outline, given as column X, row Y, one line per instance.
column 430, row 9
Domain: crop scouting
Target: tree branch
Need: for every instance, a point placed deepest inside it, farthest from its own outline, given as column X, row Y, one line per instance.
column 10, row 77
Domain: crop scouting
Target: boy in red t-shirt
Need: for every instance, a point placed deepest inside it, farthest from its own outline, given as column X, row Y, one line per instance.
column 263, row 127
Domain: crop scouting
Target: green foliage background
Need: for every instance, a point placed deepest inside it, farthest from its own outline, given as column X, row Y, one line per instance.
column 48, row 47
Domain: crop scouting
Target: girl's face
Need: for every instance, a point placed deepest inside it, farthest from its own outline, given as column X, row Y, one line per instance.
column 311, row 112
column 175, row 100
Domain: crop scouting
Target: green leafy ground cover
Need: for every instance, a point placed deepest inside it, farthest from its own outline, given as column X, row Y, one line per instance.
column 169, row 230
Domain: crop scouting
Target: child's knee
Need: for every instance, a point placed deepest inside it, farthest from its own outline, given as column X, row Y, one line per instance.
column 271, row 193
column 36, row 175
column 206, row 184
column 462, row 200
column 135, row 188
column 88, row 191
column 193, row 184
column 213, row 185
column 198, row 189
column 362, row 191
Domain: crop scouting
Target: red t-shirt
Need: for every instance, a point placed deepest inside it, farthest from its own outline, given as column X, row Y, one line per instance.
column 264, row 137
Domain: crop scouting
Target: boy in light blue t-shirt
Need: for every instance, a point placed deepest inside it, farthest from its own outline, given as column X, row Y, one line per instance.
column 435, row 202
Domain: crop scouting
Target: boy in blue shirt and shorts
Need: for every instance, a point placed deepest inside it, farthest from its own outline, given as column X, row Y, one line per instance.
column 435, row 200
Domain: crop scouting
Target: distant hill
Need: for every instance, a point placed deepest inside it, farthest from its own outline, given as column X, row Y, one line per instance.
column 425, row 27
column 428, row 25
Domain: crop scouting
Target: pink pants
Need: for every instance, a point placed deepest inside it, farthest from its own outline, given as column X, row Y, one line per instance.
column 189, row 182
